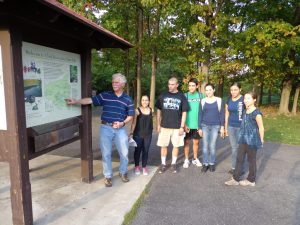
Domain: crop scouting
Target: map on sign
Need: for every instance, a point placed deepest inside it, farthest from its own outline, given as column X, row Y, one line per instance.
column 50, row 75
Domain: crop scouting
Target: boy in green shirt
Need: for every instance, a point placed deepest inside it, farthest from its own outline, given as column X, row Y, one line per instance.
column 191, row 127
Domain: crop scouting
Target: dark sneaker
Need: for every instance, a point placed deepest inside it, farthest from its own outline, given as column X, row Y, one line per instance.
column 124, row 177
column 212, row 168
column 162, row 168
column 231, row 171
column 107, row 182
column 174, row 168
column 204, row 168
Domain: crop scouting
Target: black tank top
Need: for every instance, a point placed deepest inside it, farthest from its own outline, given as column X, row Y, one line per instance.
column 144, row 124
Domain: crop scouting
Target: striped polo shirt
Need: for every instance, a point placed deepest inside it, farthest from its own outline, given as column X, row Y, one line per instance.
column 114, row 108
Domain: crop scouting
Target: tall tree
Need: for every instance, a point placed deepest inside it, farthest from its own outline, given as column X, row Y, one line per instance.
column 139, row 38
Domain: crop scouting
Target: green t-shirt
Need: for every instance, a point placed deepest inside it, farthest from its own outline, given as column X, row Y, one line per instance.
column 192, row 114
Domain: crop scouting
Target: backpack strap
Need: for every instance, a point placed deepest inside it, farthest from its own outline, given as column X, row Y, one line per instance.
column 202, row 102
column 201, row 95
column 219, row 102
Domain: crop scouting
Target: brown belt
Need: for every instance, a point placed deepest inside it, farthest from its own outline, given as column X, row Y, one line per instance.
column 106, row 123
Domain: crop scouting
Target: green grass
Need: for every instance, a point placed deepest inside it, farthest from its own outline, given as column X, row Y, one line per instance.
column 132, row 213
column 283, row 129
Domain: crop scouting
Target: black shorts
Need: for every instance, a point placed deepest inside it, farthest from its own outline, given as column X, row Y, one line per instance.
column 193, row 134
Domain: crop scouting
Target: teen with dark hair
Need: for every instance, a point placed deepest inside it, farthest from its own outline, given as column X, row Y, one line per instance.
column 212, row 119
column 192, row 123
column 141, row 129
column 234, row 108
column 251, row 138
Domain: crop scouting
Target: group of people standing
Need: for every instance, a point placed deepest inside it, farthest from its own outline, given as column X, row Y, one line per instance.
column 181, row 118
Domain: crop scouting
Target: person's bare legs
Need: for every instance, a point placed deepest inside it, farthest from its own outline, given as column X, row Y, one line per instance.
column 186, row 148
column 174, row 159
column 175, row 152
column 186, row 162
column 195, row 148
column 163, row 155
column 195, row 160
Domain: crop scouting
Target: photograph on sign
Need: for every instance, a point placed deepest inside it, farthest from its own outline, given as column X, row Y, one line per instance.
column 50, row 75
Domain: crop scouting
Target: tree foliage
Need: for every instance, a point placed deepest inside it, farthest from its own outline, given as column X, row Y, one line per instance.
column 218, row 40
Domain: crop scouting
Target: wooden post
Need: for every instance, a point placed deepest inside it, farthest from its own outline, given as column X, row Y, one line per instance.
column 15, row 138
column 86, row 126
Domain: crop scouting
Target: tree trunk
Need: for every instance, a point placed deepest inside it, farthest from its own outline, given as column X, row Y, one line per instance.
column 139, row 52
column 295, row 103
column 261, row 94
column 126, row 52
column 126, row 70
column 204, row 71
column 221, row 87
column 153, row 77
column 154, row 58
column 270, row 96
column 255, row 90
column 134, row 91
column 285, row 97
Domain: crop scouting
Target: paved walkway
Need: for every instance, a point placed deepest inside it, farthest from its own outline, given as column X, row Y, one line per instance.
column 60, row 198
column 190, row 197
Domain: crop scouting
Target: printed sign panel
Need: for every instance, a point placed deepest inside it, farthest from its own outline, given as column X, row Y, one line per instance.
column 50, row 75
column 3, row 123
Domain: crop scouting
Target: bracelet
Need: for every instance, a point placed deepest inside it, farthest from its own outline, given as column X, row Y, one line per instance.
column 124, row 124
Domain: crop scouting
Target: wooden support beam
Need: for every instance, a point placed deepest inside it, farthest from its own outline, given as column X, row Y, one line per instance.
column 86, row 126
column 19, row 166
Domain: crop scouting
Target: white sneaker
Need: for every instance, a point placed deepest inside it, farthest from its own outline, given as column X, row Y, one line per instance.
column 145, row 171
column 247, row 183
column 197, row 162
column 186, row 163
column 232, row 182
column 137, row 170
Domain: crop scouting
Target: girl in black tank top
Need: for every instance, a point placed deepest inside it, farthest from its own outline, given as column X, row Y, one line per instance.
column 141, row 129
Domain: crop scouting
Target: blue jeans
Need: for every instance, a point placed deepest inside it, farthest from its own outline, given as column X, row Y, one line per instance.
column 233, row 133
column 120, row 137
column 210, row 135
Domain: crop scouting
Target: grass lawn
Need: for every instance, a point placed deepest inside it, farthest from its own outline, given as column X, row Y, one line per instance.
column 280, row 128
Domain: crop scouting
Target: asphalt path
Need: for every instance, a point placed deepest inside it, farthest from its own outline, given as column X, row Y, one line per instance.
column 191, row 197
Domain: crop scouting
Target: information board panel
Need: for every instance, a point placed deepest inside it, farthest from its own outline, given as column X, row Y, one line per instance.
column 3, row 122
column 50, row 75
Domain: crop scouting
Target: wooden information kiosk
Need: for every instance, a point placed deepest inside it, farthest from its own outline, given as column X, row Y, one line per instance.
column 45, row 53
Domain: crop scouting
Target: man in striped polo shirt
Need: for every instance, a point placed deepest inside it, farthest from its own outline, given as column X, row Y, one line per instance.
column 118, row 110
